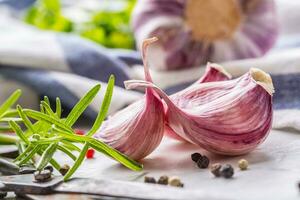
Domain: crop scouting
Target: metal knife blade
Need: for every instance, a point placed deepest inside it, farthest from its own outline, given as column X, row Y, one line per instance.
column 105, row 188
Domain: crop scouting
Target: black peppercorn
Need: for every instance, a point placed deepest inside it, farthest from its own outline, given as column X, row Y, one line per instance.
column 203, row 162
column 227, row 171
column 196, row 156
column 50, row 168
column 149, row 179
column 163, row 180
column 215, row 169
column 42, row 176
column 64, row 169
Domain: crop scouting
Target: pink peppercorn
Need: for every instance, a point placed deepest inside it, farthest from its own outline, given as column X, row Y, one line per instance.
column 90, row 153
column 79, row 131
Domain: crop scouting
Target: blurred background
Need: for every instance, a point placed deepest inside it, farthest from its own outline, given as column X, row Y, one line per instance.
column 63, row 47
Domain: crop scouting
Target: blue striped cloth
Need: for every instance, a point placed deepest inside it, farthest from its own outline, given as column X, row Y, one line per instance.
column 66, row 66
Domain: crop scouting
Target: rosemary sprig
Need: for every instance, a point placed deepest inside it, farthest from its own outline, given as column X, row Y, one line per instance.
column 7, row 113
column 50, row 133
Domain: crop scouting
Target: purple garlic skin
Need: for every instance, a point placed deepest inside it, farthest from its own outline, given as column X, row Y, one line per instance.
column 139, row 128
column 213, row 73
column 191, row 34
column 136, row 130
column 228, row 117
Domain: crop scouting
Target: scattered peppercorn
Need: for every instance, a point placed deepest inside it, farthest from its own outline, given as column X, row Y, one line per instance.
column 3, row 194
column 196, row 156
column 79, row 132
column 50, row 168
column 149, row 179
column 90, row 154
column 243, row 164
column 42, row 176
column 163, row 180
column 181, row 185
column 203, row 162
column 215, row 169
column 64, row 169
column 175, row 181
column 227, row 171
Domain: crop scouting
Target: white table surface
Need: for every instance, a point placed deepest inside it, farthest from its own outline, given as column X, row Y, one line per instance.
column 274, row 169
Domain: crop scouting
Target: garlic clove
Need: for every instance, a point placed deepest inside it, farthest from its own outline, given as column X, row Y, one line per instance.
column 137, row 129
column 213, row 72
column 229, row 117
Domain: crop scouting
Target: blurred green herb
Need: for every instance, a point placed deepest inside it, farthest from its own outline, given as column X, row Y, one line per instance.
column 46, row 14
column 108, row 27
column 50, row 132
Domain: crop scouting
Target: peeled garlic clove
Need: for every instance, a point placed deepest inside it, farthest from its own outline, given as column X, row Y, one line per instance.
column 213, row 72
column 138, row 129
column 229, row 117
column 193, row 32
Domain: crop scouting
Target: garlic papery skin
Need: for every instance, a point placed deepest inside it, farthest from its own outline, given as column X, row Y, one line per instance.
column 137, row 129
column 229, row 117
column 193, row 32
column 213, row 72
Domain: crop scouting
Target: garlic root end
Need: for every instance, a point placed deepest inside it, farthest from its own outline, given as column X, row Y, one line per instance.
column 263, row 79
column 220, row 69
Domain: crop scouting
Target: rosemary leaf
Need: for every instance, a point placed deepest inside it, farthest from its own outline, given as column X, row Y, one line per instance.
column 125, row 160
column 70, row 146
column 42, row 109
column 46, row 118
column 9, row 102
column 104, row 107
column 48, row 109
column 66, row 151
column 78, row 162
column 25, row 119
column 11, row 113
column 83, row 103
column 46, row 99
column 7, row 119
column 24, row 153
column 58, row 107
column 8, row 139
column 31, row 153
column 47, row 140
column 18, row 131
column 5, row 129
column 53, row 162
column 46, row 156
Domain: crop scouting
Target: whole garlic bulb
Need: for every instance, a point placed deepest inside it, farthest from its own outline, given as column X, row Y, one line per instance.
column 192, row 32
